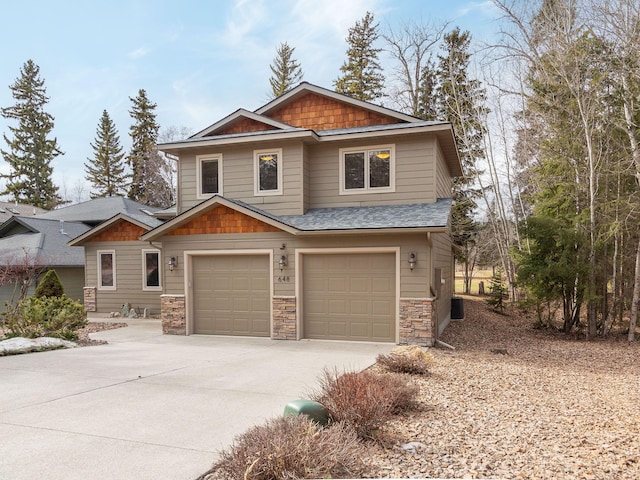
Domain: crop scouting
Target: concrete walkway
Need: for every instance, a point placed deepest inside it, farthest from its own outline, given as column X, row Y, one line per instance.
column 149, row 406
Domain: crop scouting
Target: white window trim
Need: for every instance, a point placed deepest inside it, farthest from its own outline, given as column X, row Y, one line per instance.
column 256, row 172
column 199, row 160
column 145, row 287
column 113, row 264
column 366, row 149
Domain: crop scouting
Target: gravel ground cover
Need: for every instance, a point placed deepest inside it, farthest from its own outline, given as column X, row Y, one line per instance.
column 514, row 402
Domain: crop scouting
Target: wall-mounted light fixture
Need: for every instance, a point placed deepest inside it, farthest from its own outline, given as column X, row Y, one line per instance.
column 173, row 263
column 282, row 262
column 412, row 260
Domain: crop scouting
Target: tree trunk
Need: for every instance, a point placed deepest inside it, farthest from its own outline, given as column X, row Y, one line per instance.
column 635, row 298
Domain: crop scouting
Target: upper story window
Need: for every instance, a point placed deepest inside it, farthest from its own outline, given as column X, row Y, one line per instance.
column 106, row 269
column 209, row 175
column 151, row 270
column 268, row 172
column 365, row 170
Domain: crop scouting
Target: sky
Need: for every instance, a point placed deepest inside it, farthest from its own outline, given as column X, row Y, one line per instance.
column 197, row 60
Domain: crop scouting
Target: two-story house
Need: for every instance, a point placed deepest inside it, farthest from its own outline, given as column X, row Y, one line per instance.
column 317, row 216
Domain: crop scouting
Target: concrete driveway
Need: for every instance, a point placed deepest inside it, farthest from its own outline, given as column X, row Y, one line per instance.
column 149, row 405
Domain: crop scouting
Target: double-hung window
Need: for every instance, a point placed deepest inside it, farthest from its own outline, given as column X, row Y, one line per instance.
column 151, row 270
column 209, row 175
column 268, row 171
column 106, row 269
column 365, row 170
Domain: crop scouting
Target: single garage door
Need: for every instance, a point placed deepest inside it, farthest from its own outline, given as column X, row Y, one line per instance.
column 231, row 295
column 350, row 296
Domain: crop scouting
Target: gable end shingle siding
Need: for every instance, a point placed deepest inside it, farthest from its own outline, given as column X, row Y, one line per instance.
column 222, row 220
column 122, row 231
column 245, row 125
column 316, row 112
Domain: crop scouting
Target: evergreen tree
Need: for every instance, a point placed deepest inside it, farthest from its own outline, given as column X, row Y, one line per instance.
column 30, row 150
column 144, row 135
column 362, row 76
column 461, row 100
column 105, row 170
column 49, row 286
column 497, row 292
column 286, row 70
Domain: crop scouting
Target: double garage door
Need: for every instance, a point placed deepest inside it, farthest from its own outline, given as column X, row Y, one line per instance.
column 344, row 296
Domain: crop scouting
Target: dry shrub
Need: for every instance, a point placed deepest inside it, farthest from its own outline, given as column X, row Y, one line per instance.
column 412, row 359
column 364, row 400
column 292, row 447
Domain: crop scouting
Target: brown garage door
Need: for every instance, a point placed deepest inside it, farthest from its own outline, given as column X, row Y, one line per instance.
column 350, row 296
column 231, row 295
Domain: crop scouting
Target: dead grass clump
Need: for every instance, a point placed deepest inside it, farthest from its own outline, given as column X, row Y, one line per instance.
column 412, row 360
column 364, row 400
column 292, row 447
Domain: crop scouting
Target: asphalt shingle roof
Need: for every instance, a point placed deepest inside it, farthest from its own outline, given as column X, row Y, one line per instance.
column 43, row 239
column 419, row 215
column 100, row 209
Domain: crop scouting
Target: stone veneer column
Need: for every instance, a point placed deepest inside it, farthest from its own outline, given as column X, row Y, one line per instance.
column 89, row 296
column 173, row 314
column 416, row 321
column 285, row 318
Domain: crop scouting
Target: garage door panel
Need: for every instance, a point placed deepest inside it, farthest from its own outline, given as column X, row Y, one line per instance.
column 231, row 295
column 349, row 297
column 337, row 330
column 359, row 307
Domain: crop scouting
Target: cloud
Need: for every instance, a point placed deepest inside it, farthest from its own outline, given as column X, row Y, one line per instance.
column 138, row 53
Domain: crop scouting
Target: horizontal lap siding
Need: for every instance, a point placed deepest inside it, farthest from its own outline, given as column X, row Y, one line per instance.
column 443, row 260
column 72, row 279
column 413, row 284
column 444, row 183
column 128, row 277
column 414, row 167
column 238, row 177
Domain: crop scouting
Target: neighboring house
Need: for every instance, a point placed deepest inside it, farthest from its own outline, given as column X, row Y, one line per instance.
column 41, row 241
column 29, row 246
column 9, row 209
column 317, row 216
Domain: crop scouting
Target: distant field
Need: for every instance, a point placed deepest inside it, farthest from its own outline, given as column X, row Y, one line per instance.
column 478, row 276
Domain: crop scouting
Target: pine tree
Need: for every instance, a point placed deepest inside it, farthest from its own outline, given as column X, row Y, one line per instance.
column 30, row 150
column 49, row 286
column 362, row 76
column 105, row 169
column 286, row 70
column 497, row 292
column 460, row 100
column 144, row 134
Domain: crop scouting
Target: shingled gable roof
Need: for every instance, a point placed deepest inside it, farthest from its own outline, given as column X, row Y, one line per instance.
column 304, row 88
column 430, row 217
column 238, row 115
column 402, row 124
column 41, row 239
column 210, row 204
column 145, row 223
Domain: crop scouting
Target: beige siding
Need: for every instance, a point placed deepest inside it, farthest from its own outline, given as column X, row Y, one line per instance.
column 306, row 179
column 414, row 169
column 238, row 177
column 444, row 181
column 72, row 279
column 413, row 283
column 443, row 259
column 128, row 277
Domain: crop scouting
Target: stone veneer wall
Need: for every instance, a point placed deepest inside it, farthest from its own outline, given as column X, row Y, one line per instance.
column 284, row 318
column 89, row 296
column 173, row 314
column 417, row 325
